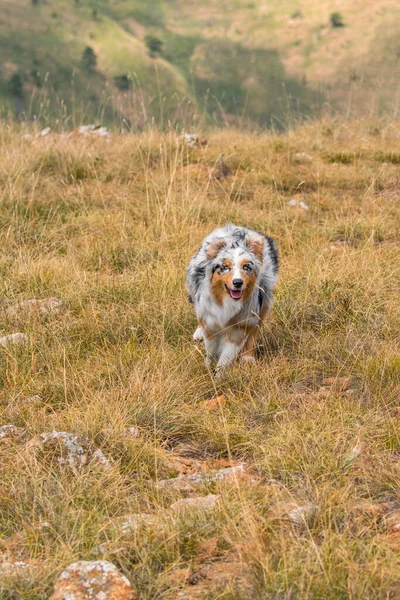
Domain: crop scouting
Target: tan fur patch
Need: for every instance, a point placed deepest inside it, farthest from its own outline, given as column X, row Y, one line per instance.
column 214, row 248
column 256, row 245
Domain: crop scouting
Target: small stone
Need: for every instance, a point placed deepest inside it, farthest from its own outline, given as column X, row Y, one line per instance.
column 15, row 339
column 72, row 450
column 44, row 132
column 92, row 580
column 203, row 503
column 43, row 307
column 296, row 203
column 188, row 139
column 18, row 569
column 11, row 431
column 130, row 524
column 297, row 513
column 131, row 433
column 303, row 157
column 188, row 482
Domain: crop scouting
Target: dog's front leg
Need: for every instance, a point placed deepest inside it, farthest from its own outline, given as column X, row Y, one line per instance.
column 211, row 344
column 229, row 353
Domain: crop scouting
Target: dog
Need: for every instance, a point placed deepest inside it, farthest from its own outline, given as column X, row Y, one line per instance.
column 230, row 281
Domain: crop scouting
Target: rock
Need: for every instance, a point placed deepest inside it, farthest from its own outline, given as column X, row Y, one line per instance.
column 188, row 482
column 15, row 339
column 188, row 139
column 73, row 451
column 215, row 403
column 92, row 580
column 43, row 307
column 93, row 130
column 44, row 132
column 18, row 570
column 203, row 503
column 130, row 524
column 11, row 431
column 131, row 433
column 296, row 203
column 297, row 513
column 302, row 157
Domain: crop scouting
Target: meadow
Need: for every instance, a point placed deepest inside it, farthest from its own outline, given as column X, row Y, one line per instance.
column 106, row 226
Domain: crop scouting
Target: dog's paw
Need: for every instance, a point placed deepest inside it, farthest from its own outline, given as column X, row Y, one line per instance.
column 198, row 335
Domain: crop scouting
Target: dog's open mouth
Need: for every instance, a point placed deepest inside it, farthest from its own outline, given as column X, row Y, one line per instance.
column 235, row 294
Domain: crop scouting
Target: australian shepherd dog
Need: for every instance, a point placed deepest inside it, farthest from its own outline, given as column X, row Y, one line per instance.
column 230, row 281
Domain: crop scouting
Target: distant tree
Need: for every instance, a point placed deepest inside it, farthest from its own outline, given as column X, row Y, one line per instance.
column 35, row 2
column 122, row 82
column 89, row 59
column 16, row 86
column 336, row 19
column 154, row 45
column 95, row 13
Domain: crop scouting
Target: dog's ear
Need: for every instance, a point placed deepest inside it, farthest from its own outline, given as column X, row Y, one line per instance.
column 214, row 248
column 255, row 243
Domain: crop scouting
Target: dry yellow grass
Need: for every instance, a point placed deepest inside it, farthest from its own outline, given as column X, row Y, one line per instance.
column 108, row 227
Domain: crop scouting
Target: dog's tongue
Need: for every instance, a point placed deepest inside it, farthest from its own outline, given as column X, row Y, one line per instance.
column 235, row 294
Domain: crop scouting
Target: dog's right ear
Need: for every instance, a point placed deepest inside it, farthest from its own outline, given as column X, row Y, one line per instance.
column 214, row 248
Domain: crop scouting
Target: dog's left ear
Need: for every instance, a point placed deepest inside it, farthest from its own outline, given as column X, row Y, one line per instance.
column 256, row 243
column 214, row 248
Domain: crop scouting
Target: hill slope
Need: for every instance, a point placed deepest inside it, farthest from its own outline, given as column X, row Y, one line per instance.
column 231, row 61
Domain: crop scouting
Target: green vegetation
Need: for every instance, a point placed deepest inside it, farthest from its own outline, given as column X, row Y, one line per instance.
column 336, row 19
column 222, row 63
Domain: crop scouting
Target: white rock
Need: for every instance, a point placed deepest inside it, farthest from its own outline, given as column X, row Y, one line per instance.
column 303, row 157
column 301, row 514
column 129, row 524
column 15, row 339
column 295, row 203
column 44, row 132
column 77, row 450
column 92, row 580
column 190, row 139
column 11, row 431
column 45, row 306
column 186, row 482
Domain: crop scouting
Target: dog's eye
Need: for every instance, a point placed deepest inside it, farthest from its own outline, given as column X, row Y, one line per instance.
column 224, row 269
column 247, row 268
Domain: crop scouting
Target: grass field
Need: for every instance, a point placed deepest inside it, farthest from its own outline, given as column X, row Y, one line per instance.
column 107, row 226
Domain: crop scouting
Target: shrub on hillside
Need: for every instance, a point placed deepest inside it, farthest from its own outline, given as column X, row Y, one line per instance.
column 336, row 19
column 89, row 58
column 122, row 82
column 154, row 45
column 16, row 86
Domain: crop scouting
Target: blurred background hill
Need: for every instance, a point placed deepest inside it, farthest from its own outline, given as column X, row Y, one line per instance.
column 236, row 62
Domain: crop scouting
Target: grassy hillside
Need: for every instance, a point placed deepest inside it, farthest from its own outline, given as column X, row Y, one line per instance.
column 230, row 62
column 107, row 226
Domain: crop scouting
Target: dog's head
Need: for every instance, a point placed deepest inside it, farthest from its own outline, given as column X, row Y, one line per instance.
column 235, row 267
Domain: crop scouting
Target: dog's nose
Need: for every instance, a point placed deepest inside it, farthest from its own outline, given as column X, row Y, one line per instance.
column 237, row 283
